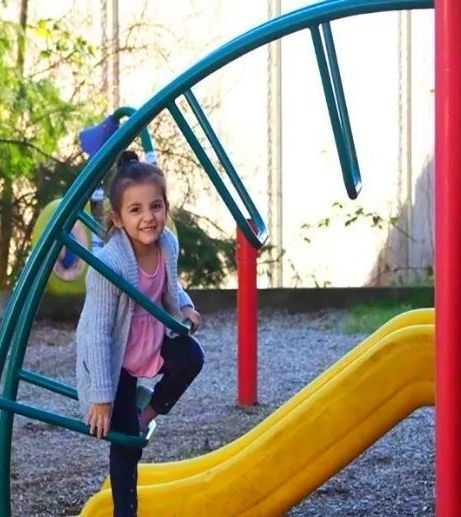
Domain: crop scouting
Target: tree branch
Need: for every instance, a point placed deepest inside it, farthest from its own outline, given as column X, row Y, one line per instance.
column 25, row 143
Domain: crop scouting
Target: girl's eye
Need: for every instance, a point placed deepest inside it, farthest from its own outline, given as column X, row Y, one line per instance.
column 134, row 210
column 157, row 206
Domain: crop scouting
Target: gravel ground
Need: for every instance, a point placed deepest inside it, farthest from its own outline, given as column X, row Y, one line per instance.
column 54, row 471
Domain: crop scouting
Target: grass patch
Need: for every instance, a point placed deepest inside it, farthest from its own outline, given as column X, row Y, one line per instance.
column 369, row 317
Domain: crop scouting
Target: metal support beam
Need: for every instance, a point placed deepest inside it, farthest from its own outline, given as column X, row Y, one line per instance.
column 448, row 256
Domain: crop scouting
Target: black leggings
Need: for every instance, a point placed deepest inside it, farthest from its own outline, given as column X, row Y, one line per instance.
column 183, row 360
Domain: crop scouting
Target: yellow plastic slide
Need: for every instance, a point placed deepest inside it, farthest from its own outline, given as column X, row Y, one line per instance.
column 307, row 440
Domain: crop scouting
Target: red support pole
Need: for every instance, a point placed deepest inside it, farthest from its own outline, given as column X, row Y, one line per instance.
column 247, row 321
column 448, row 256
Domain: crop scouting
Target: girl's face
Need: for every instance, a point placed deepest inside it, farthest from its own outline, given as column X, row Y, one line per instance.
column 142, row 215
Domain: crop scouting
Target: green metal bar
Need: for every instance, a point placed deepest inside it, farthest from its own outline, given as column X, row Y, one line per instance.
column 256, row 240
column 332, row 107
column 32, row 299
column 354, row 170
column 49, row 384
column 41, row 262
column 146, row 138
column 225, row 161
column 73, row 424
column 126, row 287
column 89, row 221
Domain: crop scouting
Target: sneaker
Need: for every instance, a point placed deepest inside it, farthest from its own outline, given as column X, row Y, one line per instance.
column 146, row 425
column 143, row 397
column 150, row 429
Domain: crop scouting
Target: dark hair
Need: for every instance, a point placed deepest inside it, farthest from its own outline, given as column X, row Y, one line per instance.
column 131, row 171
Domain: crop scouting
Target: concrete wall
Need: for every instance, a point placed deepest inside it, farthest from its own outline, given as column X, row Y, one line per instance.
column 293, row 300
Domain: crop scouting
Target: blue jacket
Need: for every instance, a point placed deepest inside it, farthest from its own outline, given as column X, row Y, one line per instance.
column 104, row 325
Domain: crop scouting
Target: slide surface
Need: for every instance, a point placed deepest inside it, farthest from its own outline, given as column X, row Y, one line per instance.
column 306, row 441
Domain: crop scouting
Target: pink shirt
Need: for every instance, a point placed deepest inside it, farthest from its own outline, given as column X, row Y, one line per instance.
column 142, row 354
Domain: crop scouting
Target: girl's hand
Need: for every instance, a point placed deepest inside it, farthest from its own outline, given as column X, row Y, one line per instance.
column 99, row 419
column 194, row 316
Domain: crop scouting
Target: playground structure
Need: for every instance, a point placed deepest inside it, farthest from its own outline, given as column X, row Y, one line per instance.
column 259, row 474
column 398, row 359
column 69, row 271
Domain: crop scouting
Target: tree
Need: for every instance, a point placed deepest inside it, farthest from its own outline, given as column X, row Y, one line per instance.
column 35, row 118
column 204, row 260
column 43, row 107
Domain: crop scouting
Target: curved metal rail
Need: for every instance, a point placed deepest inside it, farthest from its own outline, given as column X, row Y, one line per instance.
column 24, row 301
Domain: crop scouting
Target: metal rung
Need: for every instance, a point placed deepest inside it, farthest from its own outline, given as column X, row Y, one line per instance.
column 49, row 384
column 68, row 423
column 89, row 221
column 224, row 159
column 126, row 287
column 337, row 108
column 256, row 237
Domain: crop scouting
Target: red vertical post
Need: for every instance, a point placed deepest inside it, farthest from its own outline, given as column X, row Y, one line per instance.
column 448, row 256
column 246, row 321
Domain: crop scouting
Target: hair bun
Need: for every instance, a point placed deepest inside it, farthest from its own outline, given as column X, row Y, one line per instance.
column 126, row 157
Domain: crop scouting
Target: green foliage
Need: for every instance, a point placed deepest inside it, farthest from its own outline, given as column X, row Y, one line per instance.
column 348, row 218
column 360, row 214
column 396, row 275
column 60, row 45
column 421, row 277
column 204, row 260
column 37, row 157
column 369, row 317
column 44, row 105
column 34, row 113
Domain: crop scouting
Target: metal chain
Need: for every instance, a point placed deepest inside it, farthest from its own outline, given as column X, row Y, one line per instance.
column 270, row 193
column 273, row 153
column 405, row 128
column 400, row 107
column 104, row 57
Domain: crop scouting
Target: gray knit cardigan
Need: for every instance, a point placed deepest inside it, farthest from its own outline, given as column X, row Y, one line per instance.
column 104, row 325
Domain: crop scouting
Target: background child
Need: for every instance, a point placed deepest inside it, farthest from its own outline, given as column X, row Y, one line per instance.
column 117, row 340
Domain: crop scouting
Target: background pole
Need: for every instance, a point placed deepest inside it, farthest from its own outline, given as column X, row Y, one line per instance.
column 247, row 321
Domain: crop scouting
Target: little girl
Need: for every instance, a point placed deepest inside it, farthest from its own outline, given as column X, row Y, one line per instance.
column 117, row 340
